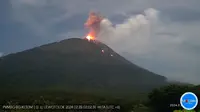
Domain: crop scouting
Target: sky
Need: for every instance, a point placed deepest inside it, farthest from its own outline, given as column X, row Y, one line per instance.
column 171, row 48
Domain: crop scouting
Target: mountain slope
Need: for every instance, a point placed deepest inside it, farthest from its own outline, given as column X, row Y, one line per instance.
column 74, row 63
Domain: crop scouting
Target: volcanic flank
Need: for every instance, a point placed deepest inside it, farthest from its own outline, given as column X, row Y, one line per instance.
column 74, row 64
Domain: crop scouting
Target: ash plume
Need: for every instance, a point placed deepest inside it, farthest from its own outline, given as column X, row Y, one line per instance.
column 93, row 23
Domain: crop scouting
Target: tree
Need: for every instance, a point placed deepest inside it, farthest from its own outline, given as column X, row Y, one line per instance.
column 167, row 98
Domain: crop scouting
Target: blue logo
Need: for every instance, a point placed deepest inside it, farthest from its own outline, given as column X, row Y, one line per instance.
column 189, row 101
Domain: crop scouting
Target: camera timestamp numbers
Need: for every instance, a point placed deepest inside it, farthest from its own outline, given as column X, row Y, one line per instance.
column 174, row 105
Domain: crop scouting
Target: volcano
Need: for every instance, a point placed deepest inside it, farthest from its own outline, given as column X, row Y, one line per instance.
column 74, row 64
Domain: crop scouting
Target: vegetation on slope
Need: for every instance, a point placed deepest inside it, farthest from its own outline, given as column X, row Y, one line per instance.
column 159, row 100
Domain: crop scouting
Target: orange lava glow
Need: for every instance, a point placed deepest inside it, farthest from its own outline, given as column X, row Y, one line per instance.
column 89, row 37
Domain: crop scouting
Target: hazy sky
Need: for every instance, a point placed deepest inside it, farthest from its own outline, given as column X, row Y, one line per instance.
column 175, row 43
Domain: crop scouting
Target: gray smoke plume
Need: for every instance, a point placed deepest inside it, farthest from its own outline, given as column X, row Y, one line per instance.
column 134, row 34
column 148, row 42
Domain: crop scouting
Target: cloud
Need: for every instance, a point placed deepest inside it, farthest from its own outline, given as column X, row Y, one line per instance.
column 1, row 54
column 43, row 16
column 182, row 14
column 163, row 48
